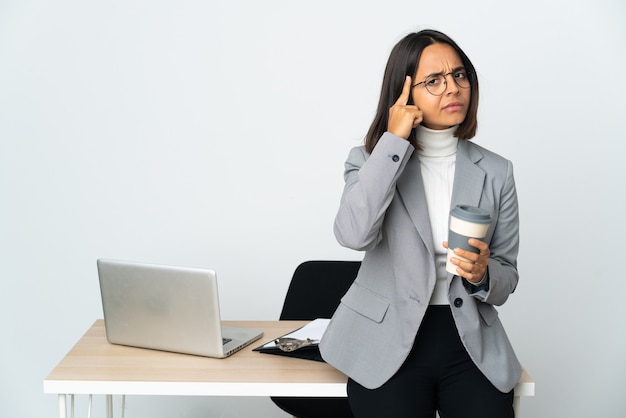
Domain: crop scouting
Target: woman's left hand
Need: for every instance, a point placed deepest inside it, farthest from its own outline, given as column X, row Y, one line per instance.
column 474, row 270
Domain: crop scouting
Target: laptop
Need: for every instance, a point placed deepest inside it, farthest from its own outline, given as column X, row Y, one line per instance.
column 166, row 308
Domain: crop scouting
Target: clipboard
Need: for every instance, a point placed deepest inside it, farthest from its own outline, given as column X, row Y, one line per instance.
column 312, row 331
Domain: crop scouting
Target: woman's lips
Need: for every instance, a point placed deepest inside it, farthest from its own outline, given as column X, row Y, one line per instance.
column 453, row 107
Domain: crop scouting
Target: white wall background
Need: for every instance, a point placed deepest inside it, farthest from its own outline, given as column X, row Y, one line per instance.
column 213, row 134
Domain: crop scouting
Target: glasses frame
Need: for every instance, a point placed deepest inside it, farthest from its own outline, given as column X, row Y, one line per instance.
column 445, row 81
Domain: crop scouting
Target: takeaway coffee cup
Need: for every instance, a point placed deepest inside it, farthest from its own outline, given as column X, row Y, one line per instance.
column 465, row 222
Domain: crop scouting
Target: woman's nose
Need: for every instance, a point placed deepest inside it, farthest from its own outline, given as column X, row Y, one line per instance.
column 451, row 86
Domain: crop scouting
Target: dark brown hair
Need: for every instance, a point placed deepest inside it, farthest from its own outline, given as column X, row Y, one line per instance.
column 403, row 61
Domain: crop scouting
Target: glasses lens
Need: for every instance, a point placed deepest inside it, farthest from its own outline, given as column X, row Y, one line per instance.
column 461, row 79
column 436, row 85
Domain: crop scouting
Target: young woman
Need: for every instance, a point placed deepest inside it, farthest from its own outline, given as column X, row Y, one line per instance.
column 413, row 338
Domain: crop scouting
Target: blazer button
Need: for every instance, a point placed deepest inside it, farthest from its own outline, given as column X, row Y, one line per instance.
column 395, row 158
column 458, row 302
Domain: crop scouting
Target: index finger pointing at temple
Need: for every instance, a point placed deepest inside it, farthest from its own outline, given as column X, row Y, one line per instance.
column 406, row 90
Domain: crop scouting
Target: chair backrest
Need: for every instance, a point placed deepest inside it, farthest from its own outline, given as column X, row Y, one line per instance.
column 317, row 287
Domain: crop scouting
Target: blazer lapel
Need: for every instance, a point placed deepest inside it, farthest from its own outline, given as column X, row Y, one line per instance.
column 411, row 190
column 468, row 178
column 468, row 186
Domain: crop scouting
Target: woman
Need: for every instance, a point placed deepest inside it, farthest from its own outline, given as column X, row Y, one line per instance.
column 412, row 338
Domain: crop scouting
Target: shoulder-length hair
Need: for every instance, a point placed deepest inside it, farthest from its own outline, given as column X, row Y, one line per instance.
column 403, row 61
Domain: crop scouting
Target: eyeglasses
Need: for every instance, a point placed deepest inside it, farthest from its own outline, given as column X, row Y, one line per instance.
column 437, row 84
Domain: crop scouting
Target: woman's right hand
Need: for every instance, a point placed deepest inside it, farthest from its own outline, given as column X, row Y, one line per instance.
column 402, row 117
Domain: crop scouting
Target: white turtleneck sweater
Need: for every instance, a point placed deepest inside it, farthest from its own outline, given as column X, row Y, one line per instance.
column 437, row 161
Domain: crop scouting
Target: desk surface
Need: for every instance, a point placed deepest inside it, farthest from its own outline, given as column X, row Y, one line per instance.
column 94, row 366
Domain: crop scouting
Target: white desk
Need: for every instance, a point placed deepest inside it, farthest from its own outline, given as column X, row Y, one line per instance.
column 93, row 366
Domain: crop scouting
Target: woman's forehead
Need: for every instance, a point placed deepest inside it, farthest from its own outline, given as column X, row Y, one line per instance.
column 438, row 58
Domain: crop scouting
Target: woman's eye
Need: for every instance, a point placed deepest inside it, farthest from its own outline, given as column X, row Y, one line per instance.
column 435, row 81
column 460, row 74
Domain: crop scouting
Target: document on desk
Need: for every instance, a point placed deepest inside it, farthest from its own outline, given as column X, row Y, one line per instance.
column 301, row 343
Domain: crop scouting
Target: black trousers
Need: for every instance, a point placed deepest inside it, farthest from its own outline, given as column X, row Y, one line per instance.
column 438, row 376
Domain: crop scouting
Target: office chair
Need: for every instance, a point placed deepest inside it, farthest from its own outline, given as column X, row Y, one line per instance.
column 314, row 292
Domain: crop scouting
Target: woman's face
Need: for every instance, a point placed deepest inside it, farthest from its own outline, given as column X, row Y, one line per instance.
column 450, row 108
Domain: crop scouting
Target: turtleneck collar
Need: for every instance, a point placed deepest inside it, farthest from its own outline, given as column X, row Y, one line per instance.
column 436, row 143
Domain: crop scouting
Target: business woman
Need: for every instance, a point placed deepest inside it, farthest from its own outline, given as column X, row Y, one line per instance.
column 413, row 338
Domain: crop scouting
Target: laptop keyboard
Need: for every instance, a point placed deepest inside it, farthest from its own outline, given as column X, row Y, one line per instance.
column 226, row 340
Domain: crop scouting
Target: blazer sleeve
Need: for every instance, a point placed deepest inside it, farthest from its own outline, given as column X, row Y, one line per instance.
column 370, row 185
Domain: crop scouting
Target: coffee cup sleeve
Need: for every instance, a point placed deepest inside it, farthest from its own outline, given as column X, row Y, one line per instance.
column 460, row 241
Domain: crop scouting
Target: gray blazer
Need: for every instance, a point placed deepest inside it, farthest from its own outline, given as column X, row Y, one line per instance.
column 383, row 212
